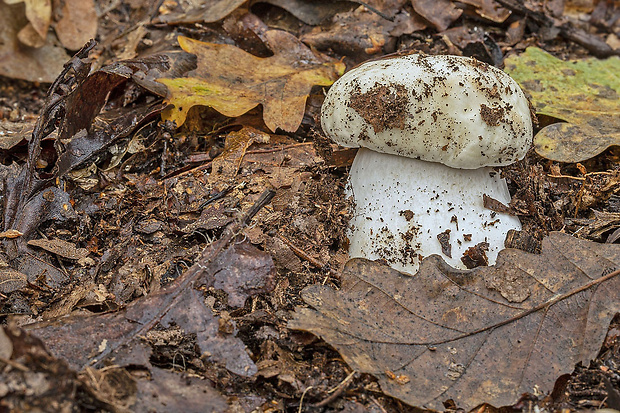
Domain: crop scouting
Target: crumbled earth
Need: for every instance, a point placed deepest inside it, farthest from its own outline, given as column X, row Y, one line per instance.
column 148, row 205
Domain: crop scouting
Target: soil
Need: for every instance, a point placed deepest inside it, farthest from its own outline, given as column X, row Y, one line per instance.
column 145, row 214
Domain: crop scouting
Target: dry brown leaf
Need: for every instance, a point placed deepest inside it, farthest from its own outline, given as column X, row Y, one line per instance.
column 169, row 391
column 37, row 65
column 481, row 336
column 205, row 11
column 60, row 247
column 78, row 23
column 38, row 13
column 240, row 269
column 233, row 81
column 226, row 165
column 312, row 12
column 440, row 13
column 490, row 10
column 11, row 280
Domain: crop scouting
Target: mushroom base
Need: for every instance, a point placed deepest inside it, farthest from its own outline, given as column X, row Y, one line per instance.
column 402, row 205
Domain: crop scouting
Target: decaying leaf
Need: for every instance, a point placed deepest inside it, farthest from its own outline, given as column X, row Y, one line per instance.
column 208, row 11
column 78, row 23
column 312, row 12
column 34, row 64
column 481, row 336
column 583, row 93
column 40, row 381
column 38, row 13
column 60, row 247
column 166, row 391
column 11, row 280
column 440, row 13
column 489, row 9
column 233, row 81
column 226, row 165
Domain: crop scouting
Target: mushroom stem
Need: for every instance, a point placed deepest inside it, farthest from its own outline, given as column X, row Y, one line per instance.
column 403, row 204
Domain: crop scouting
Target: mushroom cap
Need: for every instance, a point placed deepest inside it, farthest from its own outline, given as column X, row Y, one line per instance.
column 449, row 109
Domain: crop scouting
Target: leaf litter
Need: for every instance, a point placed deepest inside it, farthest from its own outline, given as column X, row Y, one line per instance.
column 145, row 198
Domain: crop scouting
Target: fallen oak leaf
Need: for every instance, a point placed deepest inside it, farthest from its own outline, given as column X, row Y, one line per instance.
column 481, row 336
column 233, row 81
column 77, row 24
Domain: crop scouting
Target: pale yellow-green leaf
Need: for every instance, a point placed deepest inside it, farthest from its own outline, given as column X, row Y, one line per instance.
column 583, row 93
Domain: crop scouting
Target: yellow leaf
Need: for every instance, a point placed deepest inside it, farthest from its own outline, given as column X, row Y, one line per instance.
column 233, row 81
column 584, row 93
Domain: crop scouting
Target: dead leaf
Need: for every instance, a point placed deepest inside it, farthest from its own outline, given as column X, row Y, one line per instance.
column 33, row 64
column 361, row 33
column 60, row 247
column 79, row 339
column 233, row 81
column 490, row 10
column 11, row 280
column 440, row 13
column 481, row 336
column 78, row 23
column 205, row 11
column 40, row 380
column 312, row 12
column 171, row 392
column 38, row 13
column 12, row 133
column 226, row 165
column 583, row 93
column 239, row 265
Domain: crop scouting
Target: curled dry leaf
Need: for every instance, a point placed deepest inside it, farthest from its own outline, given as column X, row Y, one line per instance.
column 481, row 336
column 583, row 93
column 233, row 81
column 60, row 247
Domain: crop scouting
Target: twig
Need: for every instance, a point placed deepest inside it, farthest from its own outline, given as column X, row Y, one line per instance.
column 279, row 148
column 301, row 253
column 336, row 391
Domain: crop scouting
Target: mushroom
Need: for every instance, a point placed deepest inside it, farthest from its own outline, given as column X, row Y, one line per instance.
column 431, row 129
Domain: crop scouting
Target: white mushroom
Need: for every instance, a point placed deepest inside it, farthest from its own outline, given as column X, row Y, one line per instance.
column 417, row 119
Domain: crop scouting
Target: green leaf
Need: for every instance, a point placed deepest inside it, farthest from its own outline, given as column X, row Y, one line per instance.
column 583, row 93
